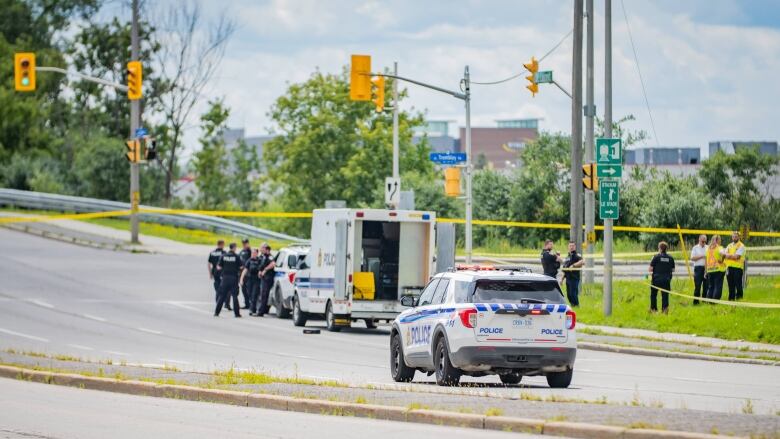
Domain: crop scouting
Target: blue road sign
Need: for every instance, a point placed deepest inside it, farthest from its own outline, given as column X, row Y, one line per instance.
column 140, row 132
column 448, row 158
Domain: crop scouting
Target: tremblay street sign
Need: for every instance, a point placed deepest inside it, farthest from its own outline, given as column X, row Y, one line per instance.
column 448, row 158
column 609, row 199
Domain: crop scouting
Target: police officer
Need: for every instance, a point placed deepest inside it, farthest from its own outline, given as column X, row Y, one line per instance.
column 230, row 266
column 251, row 275
column 244, row 255
column 267, row 274
column 214, row 274
column 571, row 272
column 551, row 260
column 661, row 269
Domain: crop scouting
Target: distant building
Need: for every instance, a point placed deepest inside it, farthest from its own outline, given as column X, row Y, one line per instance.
column 438, row 134
column 499, row 147
column 732, row 146
column 233, row 135
column 668, row 155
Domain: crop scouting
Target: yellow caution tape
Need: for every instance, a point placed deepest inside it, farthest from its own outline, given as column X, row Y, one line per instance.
column 722, row 302
column 69, row 216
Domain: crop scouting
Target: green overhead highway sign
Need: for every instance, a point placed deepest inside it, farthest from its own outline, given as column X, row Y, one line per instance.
column 609, row 199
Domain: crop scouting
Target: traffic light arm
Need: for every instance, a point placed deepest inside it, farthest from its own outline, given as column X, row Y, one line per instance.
column 454, row 94
column 562, row 89
column 117, row 86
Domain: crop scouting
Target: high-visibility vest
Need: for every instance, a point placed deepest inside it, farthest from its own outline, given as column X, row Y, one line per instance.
column 713, row 260
column 732, row 249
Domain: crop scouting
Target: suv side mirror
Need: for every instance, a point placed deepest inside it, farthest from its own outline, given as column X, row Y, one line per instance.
column 302, row 265
column 409, row 301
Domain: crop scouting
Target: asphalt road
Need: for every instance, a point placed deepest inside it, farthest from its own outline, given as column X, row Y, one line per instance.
column 33, row 410
column 157, row 309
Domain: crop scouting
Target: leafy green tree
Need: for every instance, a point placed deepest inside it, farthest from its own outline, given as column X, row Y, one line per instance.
column 211, row 161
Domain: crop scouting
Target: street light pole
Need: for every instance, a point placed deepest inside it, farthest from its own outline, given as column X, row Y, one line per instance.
column 135, row 123
column 607, row 134
column 590, row 112
column 467, row 99
column 575, row 205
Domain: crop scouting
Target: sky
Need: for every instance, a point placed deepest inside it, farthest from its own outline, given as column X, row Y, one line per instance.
column 710, row 67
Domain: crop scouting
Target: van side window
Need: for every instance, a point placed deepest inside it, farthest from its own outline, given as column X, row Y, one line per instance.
column 441, row 291
column 427, row 295
column 461, row 290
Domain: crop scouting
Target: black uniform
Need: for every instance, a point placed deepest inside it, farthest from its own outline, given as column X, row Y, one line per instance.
column 244, row 255
column 572, row 279
column 663, row 268
column 267, row 284
column 550, row 264
column 253, row 282
column 230, row 266
column 214, row 256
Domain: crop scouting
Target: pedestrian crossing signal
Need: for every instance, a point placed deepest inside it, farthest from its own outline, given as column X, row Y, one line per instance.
column 133, row 153
column 589, row 179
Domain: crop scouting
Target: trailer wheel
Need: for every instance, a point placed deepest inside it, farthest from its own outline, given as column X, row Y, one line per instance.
column 299, row 317
column 330, row 319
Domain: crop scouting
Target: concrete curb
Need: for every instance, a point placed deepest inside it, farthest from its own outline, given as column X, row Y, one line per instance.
column 670, row 354
column 392, row 413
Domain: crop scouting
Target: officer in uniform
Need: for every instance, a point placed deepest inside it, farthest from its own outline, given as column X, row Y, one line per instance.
column 735, row 266
column 572, row 266
column 661, row 269
column 251, row 275
column 267, row 274
column 244, row 255
column 214, row 274
column 230, row 266
column 551, row 260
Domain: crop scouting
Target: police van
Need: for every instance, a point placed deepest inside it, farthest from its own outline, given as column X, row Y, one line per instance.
column 361, row 262
column 481, row 321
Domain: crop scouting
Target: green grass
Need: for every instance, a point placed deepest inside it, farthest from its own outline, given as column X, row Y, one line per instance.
column 631, row 302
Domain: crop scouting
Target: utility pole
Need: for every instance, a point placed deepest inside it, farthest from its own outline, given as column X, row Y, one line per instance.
column 396, row 171
column 135, row 123
column 467, row 100
column 590, row 112
column 607, row 134
column 575, row 232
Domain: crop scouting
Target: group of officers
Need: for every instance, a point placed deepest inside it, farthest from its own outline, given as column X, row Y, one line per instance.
column 250, row 270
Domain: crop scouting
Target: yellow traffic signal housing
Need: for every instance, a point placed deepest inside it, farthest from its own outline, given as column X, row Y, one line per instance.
column 24, row 71
column 133, row 154
column 532, row 67
column 134, row 80
column 360, row 78
column 452, row 182
column 589, row 179
column 379, row 100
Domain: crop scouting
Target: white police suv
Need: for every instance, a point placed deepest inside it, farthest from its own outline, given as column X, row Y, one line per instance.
column 481, row 321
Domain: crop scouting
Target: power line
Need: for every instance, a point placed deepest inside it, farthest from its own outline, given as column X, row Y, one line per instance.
column 639, row 71
column 522, row 73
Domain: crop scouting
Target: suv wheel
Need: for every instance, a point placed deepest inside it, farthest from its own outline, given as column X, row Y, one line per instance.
column 560, row 380
column 281, row 311
column 299, row 317
column 330, row 319
column 446, row 373
column 398, row 369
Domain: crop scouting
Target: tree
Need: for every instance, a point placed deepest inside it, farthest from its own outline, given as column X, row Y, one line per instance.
column 211, row 162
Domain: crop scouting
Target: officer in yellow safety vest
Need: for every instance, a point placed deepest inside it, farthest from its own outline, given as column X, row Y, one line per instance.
column 735, row 264
column 715, row 267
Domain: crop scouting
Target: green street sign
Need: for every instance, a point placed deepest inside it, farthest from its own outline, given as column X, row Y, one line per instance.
column 609, row 199
column 544, row 77
column 609, row 152
column 609, row 171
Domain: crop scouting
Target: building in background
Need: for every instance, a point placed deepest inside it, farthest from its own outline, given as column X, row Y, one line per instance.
column 499, row 147
column 438, row 134
column 732, row 146
column 677, row 160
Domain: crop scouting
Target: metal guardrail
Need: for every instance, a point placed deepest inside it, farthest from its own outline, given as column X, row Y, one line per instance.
column 66, row 203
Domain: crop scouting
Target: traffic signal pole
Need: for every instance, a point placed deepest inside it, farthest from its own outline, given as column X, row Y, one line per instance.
column 607, row 134
column 135, row 123
column 575, row 206
column 590, row 112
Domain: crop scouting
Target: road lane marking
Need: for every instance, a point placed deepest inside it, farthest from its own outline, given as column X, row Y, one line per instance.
column 217, row 343
column 42, row 303
column 19, row 334
column 82, row 347
column 168, row 360
column 190, row 308
column 96, row 318
column 122, row 354
column 150, row 331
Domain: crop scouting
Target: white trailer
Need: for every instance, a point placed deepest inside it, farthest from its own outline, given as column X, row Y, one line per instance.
column 353, row 248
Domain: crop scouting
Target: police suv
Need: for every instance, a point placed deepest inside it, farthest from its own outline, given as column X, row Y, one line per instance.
column 481, row 321
column 288, row 261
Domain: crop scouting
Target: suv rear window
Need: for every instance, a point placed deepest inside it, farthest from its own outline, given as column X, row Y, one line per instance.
column 517, row 291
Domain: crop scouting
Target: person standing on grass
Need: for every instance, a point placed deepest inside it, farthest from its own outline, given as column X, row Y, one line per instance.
column 551, row 260
column 698, row 257
column 662, row 269
column 735, row 266
column 571, row 271
column 715, row 267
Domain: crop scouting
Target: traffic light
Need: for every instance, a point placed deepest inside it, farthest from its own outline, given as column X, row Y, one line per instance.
column 589, row 179
column 133, row 153
column 150, row 149
column 24, row 71
column 452, row 182
column 379, row 100
column 360, row 78
column 532, row 68
column 134, row 80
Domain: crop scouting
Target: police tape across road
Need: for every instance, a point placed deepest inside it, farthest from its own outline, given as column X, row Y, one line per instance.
column 308, row 215
column 718, row 301
column 68, row 216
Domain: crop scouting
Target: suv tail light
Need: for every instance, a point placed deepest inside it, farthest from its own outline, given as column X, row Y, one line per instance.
column 571, row 319
column 291, row 276
column 468, row 317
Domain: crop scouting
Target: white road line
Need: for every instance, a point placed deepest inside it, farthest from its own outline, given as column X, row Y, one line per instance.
column 168, row 360
column 19, row 334
column 189, row 308
column 82, row 347
column 96, row 318
column 150, row 331
column 122, row 354
column 42, row 303
column 217, row 343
